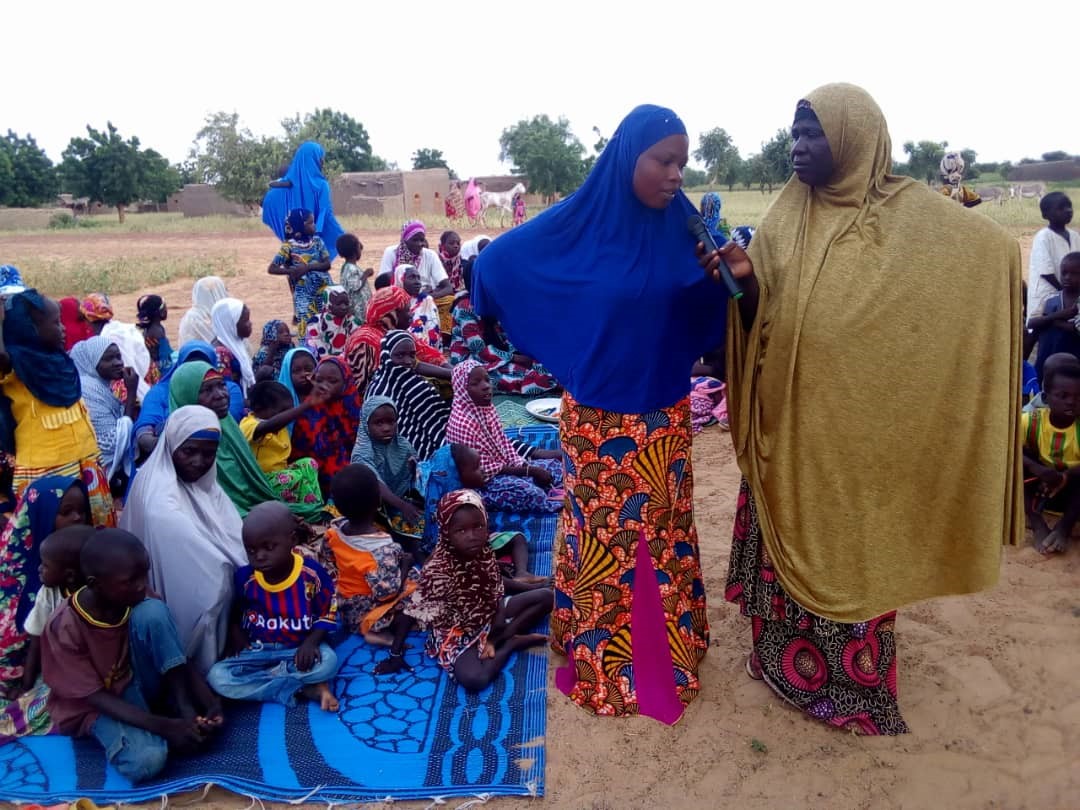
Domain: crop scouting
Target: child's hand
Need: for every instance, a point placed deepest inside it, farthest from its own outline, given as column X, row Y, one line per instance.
column 392, row 664
column 410, row 512
column 487, row 651
column 131, row 379
column 307, row 656
column 1051, row 479
column 541, row 477
column 369, row 273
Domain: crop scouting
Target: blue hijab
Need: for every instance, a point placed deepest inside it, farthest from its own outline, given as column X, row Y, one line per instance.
column 442, row 477
column 285, row 375
column 604, row 291
column 711, row 206
column 309, row 190
column 49, row 374
column 155, row 405
column 389, row 460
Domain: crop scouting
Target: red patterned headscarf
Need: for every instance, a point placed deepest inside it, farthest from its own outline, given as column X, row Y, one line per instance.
column 327, row 431
column 96, row 307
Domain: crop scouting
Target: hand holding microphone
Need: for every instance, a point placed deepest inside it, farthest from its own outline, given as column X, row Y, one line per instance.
column 717, row 266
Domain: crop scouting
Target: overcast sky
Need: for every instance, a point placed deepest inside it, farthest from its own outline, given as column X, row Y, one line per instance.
column 452, row 75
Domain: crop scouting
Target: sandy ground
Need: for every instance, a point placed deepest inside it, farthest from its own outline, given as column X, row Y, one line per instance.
column 989, row 683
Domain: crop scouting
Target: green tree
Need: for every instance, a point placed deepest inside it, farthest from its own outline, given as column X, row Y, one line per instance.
column 160, row 179
column 545, row 151
column 431, row 159
column 32, row 177
column 346, row 141
column 693, row 178
column 717, row 152
column 108, row 169
column 237, row 163
column 971, row 166
column 776, row 160
column 1004, row 169
column 733, row 173
column 1056, row 155
column 924, row 159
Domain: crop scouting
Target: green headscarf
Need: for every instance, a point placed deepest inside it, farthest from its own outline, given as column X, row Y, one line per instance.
column 237, row 471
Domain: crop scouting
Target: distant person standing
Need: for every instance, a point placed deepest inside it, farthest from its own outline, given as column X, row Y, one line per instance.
column 1048, row 249
column 303, row 186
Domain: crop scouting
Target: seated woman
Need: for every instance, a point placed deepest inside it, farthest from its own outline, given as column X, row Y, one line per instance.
column 99, row 363
column 511, row 482
column 196, row 323
column 53, row 432
column 388, row 310
column 328, row 332
column 232, row 326
column 483, row 340
column 276, row 342
column 473, row 626
column 326, row 429
column 424, row 323
column 238, row 474
column 155, row 405
column 422, row 412
column 48, row 504
column 76, row 327
column 190, row 528
column 389, row 455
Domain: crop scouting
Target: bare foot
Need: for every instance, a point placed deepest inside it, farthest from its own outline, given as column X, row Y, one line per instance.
column 320, row 693
column 528, row 580
column 1040, row 530
column 1055, row 543
column 379, row 639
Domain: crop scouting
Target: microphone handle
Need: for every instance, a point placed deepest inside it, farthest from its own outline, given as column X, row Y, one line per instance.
column 732, row 284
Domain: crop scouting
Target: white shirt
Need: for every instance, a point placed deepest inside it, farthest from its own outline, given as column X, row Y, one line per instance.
column 1047, row 251
column 431, row 270
column 45, row 604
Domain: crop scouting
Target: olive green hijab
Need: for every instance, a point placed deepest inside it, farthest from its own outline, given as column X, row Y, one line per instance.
column 874, row 404
column 238, row 473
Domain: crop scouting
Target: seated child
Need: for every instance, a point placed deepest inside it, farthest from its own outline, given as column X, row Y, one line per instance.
column 456, row 466
column 353, row 279
column 373, row 573
column 473, row 627
column 60, row 576
column 389, row 455
column 109, row 653
column 283, row 611
column 327, row 333
column 267, row 430
column 512, row 483
column 384, row 280
column 1052, row 460
column 1053, row 363
column 276, row 342
column 1055, row 326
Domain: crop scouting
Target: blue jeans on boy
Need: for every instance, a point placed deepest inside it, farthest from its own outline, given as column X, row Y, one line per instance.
column 155, row 649
column 268, row 673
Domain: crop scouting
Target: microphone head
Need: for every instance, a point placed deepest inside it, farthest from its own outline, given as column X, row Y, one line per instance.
column 696, row 226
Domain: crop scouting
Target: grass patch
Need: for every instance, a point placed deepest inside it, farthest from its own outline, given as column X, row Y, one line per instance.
column 120, row 275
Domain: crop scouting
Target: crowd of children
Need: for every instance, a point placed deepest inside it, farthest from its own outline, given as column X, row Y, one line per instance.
column 314, row 502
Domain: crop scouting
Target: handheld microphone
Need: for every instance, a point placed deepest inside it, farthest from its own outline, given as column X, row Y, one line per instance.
column 696, row 226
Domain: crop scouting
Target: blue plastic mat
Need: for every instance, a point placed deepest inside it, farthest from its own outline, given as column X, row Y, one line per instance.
column 414, row 735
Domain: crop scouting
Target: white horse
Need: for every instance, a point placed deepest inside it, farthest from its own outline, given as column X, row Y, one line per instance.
column 503, row 200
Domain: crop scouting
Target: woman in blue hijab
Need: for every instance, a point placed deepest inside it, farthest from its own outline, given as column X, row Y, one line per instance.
column 303, row 186
column 604, row 290
column 155, row 405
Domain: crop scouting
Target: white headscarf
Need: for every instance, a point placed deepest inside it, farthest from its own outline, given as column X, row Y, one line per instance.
column 111, row 427
column 196, row 324
column 471, row 248
column 192, row 533
column 225, row 315
column 132, row 344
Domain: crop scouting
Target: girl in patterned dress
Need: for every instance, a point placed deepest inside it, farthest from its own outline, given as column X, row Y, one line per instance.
column 473, row 626
column 304, row 259
column 327, row 333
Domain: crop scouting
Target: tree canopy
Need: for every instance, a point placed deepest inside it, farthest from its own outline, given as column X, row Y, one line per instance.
column 431, row 159
column 718, row 154
column 27, row 176
column 547, row 152
column 106, row 168
column 348, row 148
column 239, row 164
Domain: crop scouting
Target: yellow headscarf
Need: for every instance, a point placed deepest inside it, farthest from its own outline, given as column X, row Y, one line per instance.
column 875, row 403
